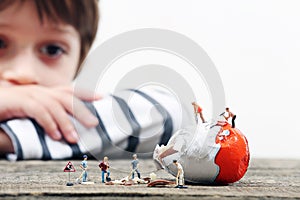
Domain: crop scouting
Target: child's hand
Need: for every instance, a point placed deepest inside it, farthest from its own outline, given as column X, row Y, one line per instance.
column 50, row 107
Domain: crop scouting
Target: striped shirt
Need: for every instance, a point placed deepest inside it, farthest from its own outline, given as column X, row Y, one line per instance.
column 129, row 121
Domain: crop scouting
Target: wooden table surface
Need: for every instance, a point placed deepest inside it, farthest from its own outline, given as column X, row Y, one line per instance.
column 265, row 179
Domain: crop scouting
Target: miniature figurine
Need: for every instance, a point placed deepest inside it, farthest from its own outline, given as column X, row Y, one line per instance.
column 228, row 115
column 180, row 175
column 135, row 166
column 84, row 167
column 104, row 168
column 198, row 110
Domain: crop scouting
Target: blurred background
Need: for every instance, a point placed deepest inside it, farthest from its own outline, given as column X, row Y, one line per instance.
column 255, row 46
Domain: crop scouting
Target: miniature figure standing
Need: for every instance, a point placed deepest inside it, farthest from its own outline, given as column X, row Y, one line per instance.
column 135, row 166
column 180, row 174
column 198, row 110
column 228, row 115
column 104, row 168
column 84, row 167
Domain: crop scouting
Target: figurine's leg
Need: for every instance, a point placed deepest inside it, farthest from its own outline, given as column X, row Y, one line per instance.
column 138, row 173
column 84, row 176
column 233, row 123
column 202, row 118
column 180, row 182
column 102, row 176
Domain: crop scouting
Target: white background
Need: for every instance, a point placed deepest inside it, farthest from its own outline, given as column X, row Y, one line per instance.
column 255, row 46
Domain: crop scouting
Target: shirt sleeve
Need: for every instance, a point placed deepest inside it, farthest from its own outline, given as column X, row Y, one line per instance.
column 129, row 121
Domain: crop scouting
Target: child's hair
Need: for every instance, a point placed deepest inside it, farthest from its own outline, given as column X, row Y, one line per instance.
column 83, row 15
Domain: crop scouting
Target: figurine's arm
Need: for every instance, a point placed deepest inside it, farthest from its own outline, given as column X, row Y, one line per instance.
column 195, row 109
column 227, row 116
column 81, row 167
column 179, row 172
column 131, row 166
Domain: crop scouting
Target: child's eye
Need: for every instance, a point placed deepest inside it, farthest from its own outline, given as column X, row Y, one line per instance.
column 3, row 47
column 2, row 44
column 52, row 50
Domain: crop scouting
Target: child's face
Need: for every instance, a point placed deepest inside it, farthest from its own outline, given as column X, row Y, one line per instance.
column 32, row 52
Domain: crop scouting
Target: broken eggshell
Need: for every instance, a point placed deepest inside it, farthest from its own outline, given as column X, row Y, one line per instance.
column 213, row 153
